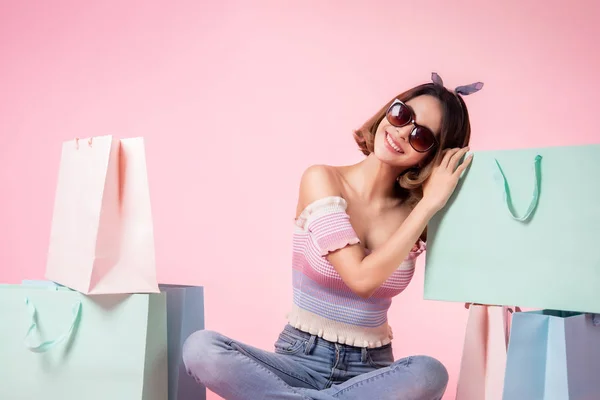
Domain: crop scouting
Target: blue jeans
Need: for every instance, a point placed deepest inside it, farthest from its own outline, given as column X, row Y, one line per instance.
column 306, row 367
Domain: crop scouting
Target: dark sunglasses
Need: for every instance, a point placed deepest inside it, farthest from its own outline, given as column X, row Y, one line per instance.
column 421, row 138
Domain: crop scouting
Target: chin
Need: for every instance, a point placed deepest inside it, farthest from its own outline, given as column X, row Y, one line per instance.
column 386, row 159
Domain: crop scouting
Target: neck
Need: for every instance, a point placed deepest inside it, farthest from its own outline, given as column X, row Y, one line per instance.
column 373, row 180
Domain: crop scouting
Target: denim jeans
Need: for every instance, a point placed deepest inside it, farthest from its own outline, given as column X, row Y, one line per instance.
column 306, row 367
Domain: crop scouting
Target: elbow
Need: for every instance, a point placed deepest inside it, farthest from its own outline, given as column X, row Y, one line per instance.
column 360, row 280
column 365, row 295
column 363, row 285
column 364, row 291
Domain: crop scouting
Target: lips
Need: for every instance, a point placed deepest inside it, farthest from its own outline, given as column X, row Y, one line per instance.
column 392, row 144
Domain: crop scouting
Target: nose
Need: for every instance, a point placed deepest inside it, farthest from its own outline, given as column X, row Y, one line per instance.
column 404, row 131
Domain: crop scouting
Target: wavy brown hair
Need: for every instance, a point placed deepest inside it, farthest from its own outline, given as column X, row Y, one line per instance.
column 455, row 132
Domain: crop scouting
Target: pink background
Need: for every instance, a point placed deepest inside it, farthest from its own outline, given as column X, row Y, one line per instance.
column 235, row 100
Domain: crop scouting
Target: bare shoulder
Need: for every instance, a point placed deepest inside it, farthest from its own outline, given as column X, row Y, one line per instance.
column 317, row 181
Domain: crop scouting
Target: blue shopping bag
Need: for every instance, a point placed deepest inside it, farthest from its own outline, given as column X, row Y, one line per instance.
column 553, row 355
column 185, row 315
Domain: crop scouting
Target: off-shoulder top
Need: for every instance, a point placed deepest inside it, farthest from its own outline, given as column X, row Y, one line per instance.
column 323, row 304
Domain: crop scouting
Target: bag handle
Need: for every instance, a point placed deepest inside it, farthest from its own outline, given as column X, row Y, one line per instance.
column 536, row 191
column 507, row 316
column 509, row 309
column 49, row 344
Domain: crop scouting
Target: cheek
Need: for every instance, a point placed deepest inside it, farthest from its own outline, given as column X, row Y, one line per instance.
column 383, row 125
column 416, row 158
column 378, row 145
column 380, row 138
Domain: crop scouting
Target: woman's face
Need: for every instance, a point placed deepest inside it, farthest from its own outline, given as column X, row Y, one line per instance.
column 391, row 143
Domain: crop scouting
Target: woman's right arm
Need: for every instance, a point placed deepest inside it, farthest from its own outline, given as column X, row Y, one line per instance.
column 365, row 274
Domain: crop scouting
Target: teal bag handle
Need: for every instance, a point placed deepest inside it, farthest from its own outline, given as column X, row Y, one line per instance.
column 536, row 191
column 49, row 344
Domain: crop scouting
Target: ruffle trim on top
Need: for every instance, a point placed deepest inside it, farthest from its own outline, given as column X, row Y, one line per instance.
column 340, row 244
column 320, row 207
column 419, row 248
column 339, row 332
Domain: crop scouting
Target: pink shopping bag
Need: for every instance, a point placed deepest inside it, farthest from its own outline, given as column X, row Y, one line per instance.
column 102, row 238
column 483, row 362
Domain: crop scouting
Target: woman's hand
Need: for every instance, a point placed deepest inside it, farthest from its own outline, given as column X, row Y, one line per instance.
column 440, row 185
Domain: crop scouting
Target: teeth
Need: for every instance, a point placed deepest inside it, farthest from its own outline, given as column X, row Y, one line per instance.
column 389, row 139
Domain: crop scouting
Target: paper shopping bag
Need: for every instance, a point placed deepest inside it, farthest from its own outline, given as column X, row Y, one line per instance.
column 553, row 357
column 56, row 343
column 102, row 238
column 481, row 375
column 185, row 315
column 531, row 213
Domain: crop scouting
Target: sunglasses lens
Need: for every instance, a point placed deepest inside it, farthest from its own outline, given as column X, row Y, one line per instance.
column 422, row 139
column 399, row 115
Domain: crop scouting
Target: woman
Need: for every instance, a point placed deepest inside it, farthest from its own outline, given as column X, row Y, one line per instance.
column 358, row 232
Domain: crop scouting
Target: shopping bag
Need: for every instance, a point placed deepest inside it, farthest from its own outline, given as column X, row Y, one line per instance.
column 185, row 315
column 553, row 357
column 58, row 344
column 531, row 213
column 102, row 238
column 481, row 375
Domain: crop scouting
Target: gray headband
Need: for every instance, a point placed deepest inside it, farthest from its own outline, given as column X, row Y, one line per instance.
column 464, row 90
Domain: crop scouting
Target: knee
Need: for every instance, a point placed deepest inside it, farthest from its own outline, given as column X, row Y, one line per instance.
column 432, row 376
column 200, row 352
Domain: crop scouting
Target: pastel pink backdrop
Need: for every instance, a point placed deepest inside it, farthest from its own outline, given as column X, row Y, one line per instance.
column 236, row 98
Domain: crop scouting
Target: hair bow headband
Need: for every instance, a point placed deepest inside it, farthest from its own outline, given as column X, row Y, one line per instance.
column 464, row 90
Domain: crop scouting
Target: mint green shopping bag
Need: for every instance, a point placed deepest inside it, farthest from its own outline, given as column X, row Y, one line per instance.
column 57, row 344
column 523, row 227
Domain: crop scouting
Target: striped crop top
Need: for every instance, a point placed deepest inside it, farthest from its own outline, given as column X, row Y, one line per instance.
column 322, row 303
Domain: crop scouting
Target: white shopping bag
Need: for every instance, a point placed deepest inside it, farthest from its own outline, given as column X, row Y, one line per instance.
column 102, row 238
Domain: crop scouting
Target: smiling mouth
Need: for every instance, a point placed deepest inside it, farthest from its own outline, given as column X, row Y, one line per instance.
column 392, row 144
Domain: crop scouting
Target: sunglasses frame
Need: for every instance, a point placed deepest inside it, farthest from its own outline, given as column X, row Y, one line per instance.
column 415, row 126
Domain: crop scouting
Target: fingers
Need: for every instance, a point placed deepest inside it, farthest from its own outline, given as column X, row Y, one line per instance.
column 453, row 163
column 448, row 156
column 464, row 165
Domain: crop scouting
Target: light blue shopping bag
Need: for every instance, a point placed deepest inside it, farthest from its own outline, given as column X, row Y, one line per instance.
column 185, row 315
column 57, row 344
column 531, row 213
column 553, row 355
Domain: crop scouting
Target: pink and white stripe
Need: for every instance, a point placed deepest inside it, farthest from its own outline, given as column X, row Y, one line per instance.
column 319, row 292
